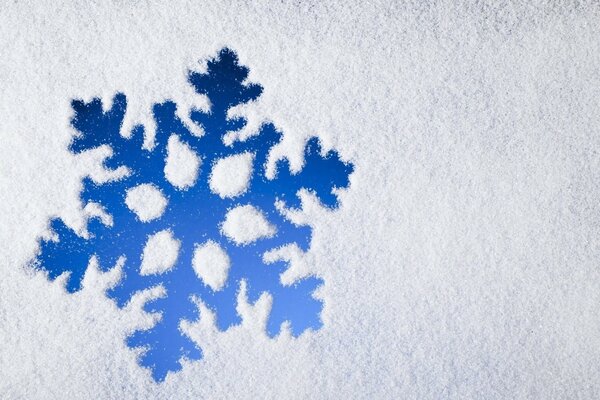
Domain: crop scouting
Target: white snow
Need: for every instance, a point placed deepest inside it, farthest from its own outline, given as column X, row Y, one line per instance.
column 160, row 253
column 230, row 176
column 182, row 164
column 463, row 263
column 211, row 264
column 146, row 201
column 246, row 224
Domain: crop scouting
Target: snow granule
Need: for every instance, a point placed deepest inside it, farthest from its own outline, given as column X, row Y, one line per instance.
column 146, row 201
column 211, row 264
column 230, row 176
column 246, row 224
column 160, row 253
column 182, row 166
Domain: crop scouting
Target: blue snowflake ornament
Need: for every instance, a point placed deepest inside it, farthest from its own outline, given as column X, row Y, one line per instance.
column 199, row 233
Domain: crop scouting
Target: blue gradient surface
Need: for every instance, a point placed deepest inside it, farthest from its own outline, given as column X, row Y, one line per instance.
column 193, row 215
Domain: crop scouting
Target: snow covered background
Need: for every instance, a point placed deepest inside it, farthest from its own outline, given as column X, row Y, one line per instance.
column 464, row 261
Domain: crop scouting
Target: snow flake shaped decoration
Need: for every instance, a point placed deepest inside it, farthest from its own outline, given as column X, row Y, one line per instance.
column 193, row 216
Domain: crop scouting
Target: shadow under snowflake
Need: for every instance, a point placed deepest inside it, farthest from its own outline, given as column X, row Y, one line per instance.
column 194, row 215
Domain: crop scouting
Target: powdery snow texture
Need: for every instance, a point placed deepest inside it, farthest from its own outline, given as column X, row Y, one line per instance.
column 463, row 263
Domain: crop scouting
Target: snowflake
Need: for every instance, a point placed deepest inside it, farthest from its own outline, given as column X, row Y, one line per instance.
column 194, row 215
